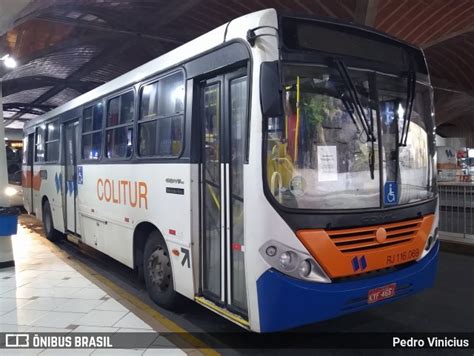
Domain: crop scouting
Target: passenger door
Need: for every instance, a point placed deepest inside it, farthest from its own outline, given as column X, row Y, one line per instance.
column 224, row 112
column 28, row 173
column 71, row 131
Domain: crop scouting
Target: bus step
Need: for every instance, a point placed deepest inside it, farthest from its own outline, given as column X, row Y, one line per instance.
column 73, row 238
column 235, row 318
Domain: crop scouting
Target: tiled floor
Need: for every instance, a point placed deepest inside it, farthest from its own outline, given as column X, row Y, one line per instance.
column 45, row 294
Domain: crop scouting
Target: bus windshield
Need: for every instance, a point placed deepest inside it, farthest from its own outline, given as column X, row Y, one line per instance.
column 320, row 155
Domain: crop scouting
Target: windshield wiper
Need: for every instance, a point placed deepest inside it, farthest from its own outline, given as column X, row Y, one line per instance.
column 354, row 98
column 411, row 90
column 349, row 108
column 354, row 105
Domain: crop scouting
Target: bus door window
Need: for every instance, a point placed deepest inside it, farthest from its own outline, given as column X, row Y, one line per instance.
column 119, row 131
column 161, row 117
column 52, row 142
column 92, row 132
column 238, row 122
column 39, row 143
column 212, row 189
column 291, row 120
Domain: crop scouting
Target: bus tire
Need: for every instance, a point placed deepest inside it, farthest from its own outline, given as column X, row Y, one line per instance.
column 48, row 226
column 158, row 274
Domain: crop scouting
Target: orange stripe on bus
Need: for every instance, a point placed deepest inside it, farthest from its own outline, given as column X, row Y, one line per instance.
column 28, row 182
column 26, row 179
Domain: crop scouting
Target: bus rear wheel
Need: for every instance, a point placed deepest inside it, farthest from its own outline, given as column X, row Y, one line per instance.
column 158, row 274
column 51, row 233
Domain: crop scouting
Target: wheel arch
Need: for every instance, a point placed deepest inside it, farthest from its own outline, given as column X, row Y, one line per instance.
column 140, row 235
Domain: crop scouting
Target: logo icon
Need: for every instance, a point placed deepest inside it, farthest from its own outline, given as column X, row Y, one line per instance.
column 359, row 263
column 449, row 154
column 381, row 235
column 17, row 340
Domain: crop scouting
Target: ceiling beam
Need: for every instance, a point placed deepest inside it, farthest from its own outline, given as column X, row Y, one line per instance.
column 116, row 22
column 105, row 28
column 37, row 109
column 111, row 50
column 169, row 13
column 366, row 11
column 98, row 39
column 114, row 18
column 16, row 85
column 447, row 36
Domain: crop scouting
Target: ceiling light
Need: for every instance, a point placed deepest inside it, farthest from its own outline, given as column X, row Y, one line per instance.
column 9, row 61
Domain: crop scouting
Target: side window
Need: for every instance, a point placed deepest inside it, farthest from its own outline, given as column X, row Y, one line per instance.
column 160, row 126
column 26, row 158
column 39, row 144
column 92, row 131
column 119, row 130
column 52, row 142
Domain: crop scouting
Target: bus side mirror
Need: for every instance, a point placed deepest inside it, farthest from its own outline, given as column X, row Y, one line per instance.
column 270, row 90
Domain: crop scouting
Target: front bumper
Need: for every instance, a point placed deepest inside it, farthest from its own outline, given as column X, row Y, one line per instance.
column 286, row 302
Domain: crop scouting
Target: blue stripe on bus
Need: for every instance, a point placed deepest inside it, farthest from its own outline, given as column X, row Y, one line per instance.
column 286, row 302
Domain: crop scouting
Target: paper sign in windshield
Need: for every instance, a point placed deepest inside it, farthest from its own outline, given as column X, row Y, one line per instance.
column 327, row 163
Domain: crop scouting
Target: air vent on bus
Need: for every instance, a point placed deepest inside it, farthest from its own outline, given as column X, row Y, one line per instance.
column 365, row 238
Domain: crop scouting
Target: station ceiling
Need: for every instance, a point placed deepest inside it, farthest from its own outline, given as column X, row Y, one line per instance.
column 68, row 47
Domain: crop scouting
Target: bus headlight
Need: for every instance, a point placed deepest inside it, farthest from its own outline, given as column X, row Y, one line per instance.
column 432, row 237
column 271, row 251
column 304, row 268
column 10, row 191
column 431, row 240
column 293, row 263
column 286, row 260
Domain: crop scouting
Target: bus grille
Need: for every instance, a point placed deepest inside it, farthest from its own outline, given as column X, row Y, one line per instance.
column 364, row 238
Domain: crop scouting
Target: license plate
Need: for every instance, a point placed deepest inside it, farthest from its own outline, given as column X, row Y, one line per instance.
column 381, row 293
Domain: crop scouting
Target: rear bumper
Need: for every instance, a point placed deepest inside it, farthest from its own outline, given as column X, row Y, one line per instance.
column 285, row 302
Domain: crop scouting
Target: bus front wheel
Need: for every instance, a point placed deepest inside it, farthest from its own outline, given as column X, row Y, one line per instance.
column 157, row 272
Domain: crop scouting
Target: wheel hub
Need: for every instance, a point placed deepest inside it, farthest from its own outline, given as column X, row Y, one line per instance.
column 159, row 269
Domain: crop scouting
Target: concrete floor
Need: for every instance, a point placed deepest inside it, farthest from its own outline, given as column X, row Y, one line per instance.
column 45, row 294
column 448, row 307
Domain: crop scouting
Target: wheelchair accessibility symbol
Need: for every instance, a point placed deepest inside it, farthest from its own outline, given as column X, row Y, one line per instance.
column 390, row 193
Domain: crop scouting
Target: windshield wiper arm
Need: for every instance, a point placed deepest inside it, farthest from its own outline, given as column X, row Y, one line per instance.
column 349, row 108
column 411, row 91
column 354, row 99
column 355, row 105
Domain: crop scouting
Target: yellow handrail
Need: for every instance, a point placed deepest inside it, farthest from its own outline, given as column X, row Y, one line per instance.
column 275, row 176
column 297, row 117
column 214, row 197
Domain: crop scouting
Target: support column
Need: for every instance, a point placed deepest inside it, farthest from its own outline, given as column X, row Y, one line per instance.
column 8, row 215
column 366, row 11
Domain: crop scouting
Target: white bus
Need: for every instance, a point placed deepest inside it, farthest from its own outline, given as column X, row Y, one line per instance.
column 277, row 170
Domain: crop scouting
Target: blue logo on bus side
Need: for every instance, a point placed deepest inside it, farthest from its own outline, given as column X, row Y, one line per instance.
column 390, row 193
column 58, row 178
column 80, row 175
